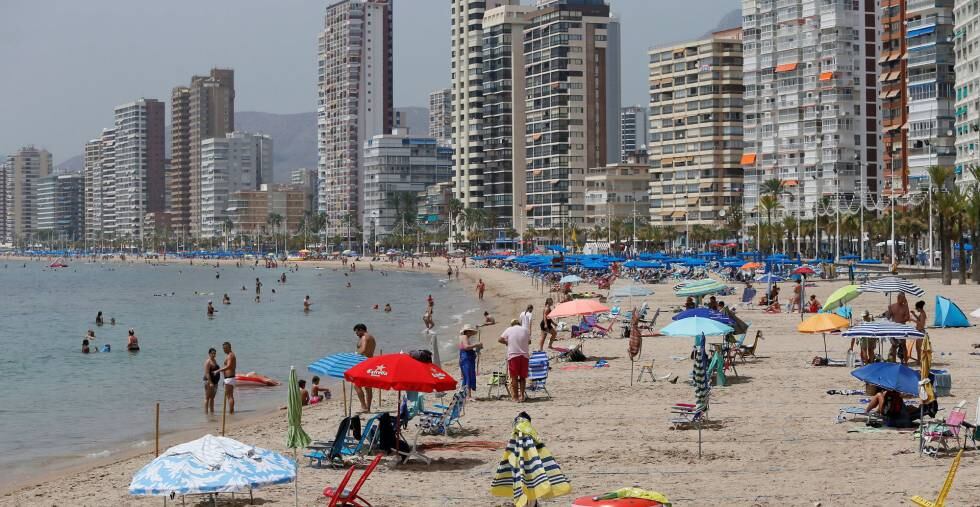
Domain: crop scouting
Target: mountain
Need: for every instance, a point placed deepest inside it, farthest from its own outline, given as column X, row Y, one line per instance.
column 72, row 165
column 733, row 19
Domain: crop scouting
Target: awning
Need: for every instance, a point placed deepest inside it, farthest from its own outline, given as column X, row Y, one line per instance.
column 692, row 200
column 786, row 67
column 706, row 185
column 885, row 56
column 920, row 31
column 678, row 214
column 826, row 76
column 665, row 161
column 790, row 183
column 892, row 93
column 888, row 76
column 535, row 137
column 748, row 158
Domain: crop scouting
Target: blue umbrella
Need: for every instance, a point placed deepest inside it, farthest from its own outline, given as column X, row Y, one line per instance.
column 891, row 376
column 212, row 465
column 706, row 313
column 849, row 257
column 336, row 365
column 770, row 278
column 696, row 326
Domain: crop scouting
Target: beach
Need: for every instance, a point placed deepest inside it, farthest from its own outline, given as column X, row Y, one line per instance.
column 772, row 436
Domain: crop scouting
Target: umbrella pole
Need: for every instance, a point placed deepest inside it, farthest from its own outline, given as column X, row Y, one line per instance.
column 157, row 431
column 343, row 391
column 631, row 372
column 826, row 357
column 224, row 407
column 295, row 481
column 699, row 438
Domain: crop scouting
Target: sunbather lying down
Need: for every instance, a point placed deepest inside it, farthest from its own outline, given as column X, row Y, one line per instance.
column 890, row 406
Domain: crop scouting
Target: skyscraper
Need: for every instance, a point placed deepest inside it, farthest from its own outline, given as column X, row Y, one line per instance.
column 893, row 78
column 568, row 79
column 967, row 68
column 203, row 110
column 440, row 115
column 633, row 129
column 61, row 206
column 24, row 169
column 811, row 103
column 139, row 163
column 239, row 161
column 3, row 200
column 100, row 187
column 695, row 145
column 354, row 102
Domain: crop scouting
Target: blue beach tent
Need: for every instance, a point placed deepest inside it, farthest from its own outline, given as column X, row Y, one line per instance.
column 948, row 314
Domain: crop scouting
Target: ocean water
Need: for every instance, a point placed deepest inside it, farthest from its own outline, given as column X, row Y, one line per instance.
column 59, row 406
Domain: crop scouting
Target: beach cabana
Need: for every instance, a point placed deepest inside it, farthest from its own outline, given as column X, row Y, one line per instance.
column 948, row 314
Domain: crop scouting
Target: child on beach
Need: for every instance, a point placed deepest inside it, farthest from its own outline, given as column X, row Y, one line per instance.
column 317, row 393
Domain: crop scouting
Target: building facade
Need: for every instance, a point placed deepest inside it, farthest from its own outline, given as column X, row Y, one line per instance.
column 503, row 116
column 139, row 180
column 396, row 168
column 695, row 137
column 238, row 161
column 440, row 115
column 567, row 77
column 617, row 192
column 811, row 103
column 203, row 110
column 4, row 238
column 355, row 100
column 893, row 94
column 634, row 129
column 433, row 206
column 99, row 174
column 967, row 106
column 61, row 206
column 249, row 210
column 24, row 170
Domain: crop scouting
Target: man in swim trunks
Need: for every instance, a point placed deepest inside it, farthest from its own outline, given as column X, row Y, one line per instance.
column 365, row 347
column 258, row 287
column 229, row 372
column 307, row 303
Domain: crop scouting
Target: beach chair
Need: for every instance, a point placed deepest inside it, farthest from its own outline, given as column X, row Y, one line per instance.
column 336, row 451
column 350, row 497
column 858, row 414
column 947, row 430
column 686, row 415
column 646, row 369
column 438, row 423
column 498, row 382
column 566, row 354
column 537, row 377
column 749, row 350
column 973, row 429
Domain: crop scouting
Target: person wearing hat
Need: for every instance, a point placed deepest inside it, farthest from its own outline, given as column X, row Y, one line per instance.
column 467, row 358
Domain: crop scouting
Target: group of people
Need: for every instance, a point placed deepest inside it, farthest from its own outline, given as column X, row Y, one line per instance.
column 315, row 395
column 89, row 345
column 213, row 374
column 899, row 350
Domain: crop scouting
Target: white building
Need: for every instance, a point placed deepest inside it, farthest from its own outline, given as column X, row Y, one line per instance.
column 354, row 100
column 24, row 170
column 100, row 187
column 237, row 162
column 139, row 183
column 967, row 69
column 441, row 115
column 811, row 102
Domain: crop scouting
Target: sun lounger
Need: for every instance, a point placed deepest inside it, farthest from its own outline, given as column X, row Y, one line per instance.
column 351, row 497
column 686, row 414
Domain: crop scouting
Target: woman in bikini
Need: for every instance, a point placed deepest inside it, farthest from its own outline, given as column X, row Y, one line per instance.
column 547, row 325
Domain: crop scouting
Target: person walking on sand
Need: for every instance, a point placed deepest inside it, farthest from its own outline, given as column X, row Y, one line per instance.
column 548, row 328
column 480, row 287
column 211, row 378
column 228, row 370
column 468, row 349
column 518, row 341
column 366, row 344
column 526, row 317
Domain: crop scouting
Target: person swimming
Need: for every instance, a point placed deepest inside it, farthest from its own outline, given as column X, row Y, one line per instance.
column 98, row 319
column 85, row 348
column 226, row 300
column 132, row 343
column 387, row 308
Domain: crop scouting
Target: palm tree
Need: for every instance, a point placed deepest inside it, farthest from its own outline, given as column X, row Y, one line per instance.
column 974, row 212
column 959, row 202
column 530, row 234
column 274, row 220
column 940, row 178
column 769, row 203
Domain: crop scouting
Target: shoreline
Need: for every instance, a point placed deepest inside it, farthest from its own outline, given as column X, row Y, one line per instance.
column 132, row 449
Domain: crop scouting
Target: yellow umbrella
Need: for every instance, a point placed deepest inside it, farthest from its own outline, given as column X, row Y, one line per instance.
column 823, row 323
column 925, row 362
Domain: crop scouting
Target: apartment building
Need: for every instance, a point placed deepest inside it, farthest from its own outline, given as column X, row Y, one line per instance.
column 617, row 192
column 569, row 64
column 139, row 180
column 24, row 170
column 695, row 137
column 249, row 210
column 634, row 129
column 811, row 102
column 966, row 45
column 99, row 174
column 354, row 100
column 61, row 206
column 239, row 161
column 441, row 116
column 893, row 94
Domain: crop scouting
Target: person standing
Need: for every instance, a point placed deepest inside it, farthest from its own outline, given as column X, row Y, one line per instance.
column 920, row 324
column 548, row 328
column 228, row 370
column 366, row 343
column 898, row 312
column 258, row 287
column 210, row 309
column 132, row 343
column 517, row 338
column 211, row 379
column 468, row 350
column 480, row 287
column 307, row 303
column 527, row 317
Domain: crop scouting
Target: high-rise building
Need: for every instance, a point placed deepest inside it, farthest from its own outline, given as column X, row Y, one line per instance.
column 440, row 115
column 617, row 192
column 99, row 174
column 203, row 110
column 568, row 79
column 61, row 206
column 930, row 90
column 239, row 161
column 249, row 210
column 633, row 128
column 397, row 167
column 354, row 103
column 811, row 103
column 24, row 170
column 502, row 131
column 466, row 68
column 695, row 142
column 305, row 178
column 967, row 106
column 893, row 78
column 139, row 162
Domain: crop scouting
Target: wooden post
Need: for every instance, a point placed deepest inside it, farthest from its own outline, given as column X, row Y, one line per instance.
column 157, row 431
column 224, row 407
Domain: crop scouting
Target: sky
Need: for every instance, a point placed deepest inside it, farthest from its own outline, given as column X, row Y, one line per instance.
column 67, row 63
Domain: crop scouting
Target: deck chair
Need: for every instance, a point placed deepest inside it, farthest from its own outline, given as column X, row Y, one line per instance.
column 857, row 414
column 565, row 354
column 730, row 355
column 749, row 350
column 646, row 369
column 351, row 497
column 498, row 382
column 438, row 422
column 973, row 429
column 947, row 430
column 687, row 414
column 334, row 452
column 537, row 377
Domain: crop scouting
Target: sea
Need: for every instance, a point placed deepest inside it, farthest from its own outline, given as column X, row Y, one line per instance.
column 61, row 408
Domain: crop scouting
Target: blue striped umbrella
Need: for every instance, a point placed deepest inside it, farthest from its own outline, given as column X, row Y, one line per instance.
column 891, row 284
column 883, row 329
column 336, row 365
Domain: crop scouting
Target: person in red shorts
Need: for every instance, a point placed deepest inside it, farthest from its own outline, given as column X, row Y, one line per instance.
column 517, row 338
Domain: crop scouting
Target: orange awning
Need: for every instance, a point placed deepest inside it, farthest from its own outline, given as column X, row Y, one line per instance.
column 679, row 214
column 826, row 76
column 748, row 158
column 786, row 67
column 790, row 183
column 535, row 137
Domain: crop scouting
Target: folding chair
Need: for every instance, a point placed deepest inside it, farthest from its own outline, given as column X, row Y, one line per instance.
column 438, row 423
column 351, row 497
column 537, row 377
column 943, row 431
column 749, row 350
column 498, row 381
column 647, row 368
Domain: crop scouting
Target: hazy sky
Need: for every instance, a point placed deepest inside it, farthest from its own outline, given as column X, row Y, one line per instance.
column 67, row 63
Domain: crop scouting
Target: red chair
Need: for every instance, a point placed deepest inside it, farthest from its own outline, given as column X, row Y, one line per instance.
column 340, row 496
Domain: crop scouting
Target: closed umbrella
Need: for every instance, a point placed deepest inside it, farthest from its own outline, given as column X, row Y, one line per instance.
column 578, row 307
column 823, row 323
column 890, row 376
column 841, row 297
column 528, row 472
column 702, row 386
column 295, row 436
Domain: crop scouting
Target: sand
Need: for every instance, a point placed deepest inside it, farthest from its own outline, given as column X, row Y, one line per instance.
column 773, row 438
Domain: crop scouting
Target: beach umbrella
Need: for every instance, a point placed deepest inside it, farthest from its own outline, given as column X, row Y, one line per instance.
column 571, row 279
column 295, row 436
column 841, row 297
column 891, row 284
column 696, row 326
column 890, row 376
column 706, row 313
column 823, row 323
column 770, row 278
column 631, row 291
column 883, row 329
column 750, row 266
column 578, row 307
column 700, row 289
column 804, row 271
column 334, row 366
column 211, row 465
column 528, row 472
column 400, row 372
